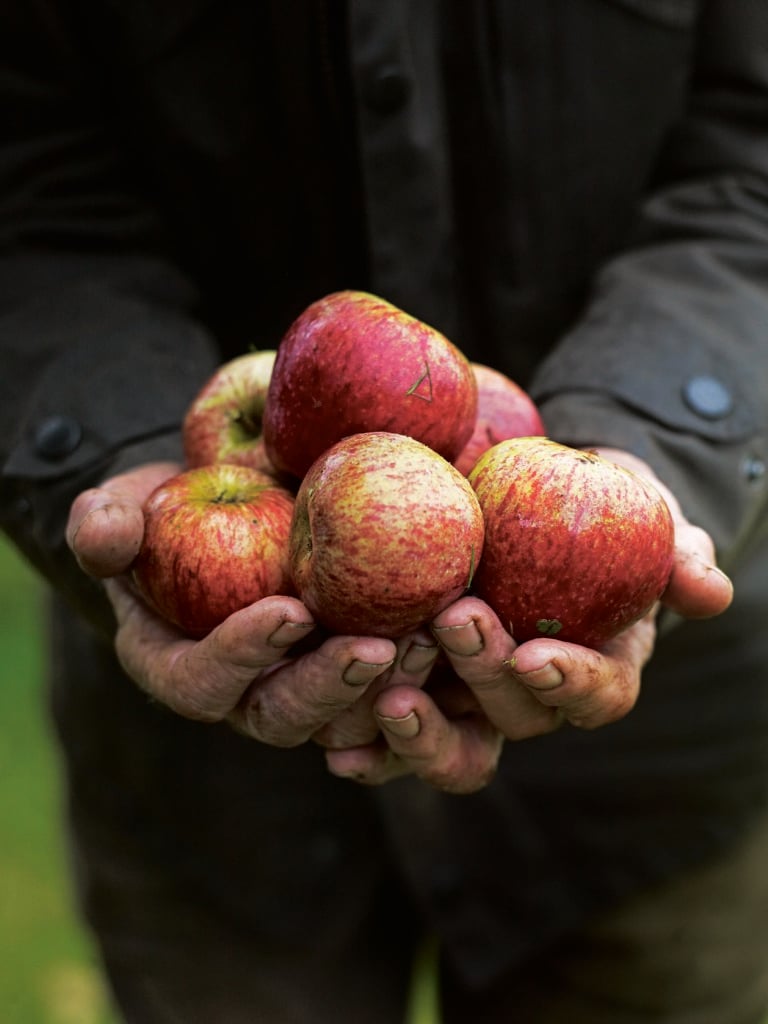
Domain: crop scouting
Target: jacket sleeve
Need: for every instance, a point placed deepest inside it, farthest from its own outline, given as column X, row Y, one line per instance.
column 102, row 347
column 670, row 359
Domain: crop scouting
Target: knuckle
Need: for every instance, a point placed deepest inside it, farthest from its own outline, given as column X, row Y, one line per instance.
column 459, row 774
column 124, row 654
column 459, row 780
column 277, row 723
column 621, row 701
column 192, row 692
column 613, row 704
column 191, row 701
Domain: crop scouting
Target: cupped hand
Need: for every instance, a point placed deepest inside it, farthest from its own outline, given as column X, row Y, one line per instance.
column 450, row 733
column 246, row 671
column 452, row 738
column 586, row 687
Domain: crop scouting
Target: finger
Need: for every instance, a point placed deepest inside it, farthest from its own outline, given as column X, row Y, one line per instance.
column 589, row 688
column 355, row 724
column 697, row 589
column 242, row 671
column 203, row 679
column 294, row 700
column 106, row 525
column 453, row 756
column 416, row 655
column 480, row 651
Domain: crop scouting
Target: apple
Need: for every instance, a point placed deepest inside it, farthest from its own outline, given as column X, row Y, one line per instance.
column 504, row 410
column 386, row 533
column 215, row 540
column 354, row 363
column 223, row 422
column 576, row 546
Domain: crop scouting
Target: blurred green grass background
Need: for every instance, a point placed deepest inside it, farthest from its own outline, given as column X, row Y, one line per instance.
column 48, row 968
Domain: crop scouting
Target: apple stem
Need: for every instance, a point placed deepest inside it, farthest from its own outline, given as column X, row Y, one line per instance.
column 250, row 424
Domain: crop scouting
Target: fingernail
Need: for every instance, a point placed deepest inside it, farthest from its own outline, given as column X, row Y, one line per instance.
column 464, row 639
column 404, row 728
column 347, row 773
column 351, row 776
column 289, row 633
column 545, row 678
column 706, row 567
column 74, row 532
column 419, row 657
column 358, row 673
column 717, row 571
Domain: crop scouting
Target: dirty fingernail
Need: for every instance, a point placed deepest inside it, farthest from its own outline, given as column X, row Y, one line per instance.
column 545, row 678
column 464, row 639
column 419, row 657
column 405, row 728
column 289, row 633
column 358, row 673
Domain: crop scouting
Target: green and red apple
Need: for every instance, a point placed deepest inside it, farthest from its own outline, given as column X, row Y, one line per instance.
column 354, row 363
column 386, row 533
column 215, row 540
column 576, row 546
column 224, row 421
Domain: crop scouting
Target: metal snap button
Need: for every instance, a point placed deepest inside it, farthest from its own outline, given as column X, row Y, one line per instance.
column 708, row 397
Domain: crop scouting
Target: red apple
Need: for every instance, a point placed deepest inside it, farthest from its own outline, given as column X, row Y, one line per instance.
column 215, row 540
column 353, row 363
column 504, row 410
column 223, row 423
column 386, row 533
column 576, row 546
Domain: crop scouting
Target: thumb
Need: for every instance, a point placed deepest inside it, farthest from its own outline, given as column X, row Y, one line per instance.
column 106, row 524
column 697, row 588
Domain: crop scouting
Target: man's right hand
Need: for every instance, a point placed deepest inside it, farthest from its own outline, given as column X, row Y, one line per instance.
column 243, row 671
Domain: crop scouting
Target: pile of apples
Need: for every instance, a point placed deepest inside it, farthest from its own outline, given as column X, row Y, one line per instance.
column 369, row 468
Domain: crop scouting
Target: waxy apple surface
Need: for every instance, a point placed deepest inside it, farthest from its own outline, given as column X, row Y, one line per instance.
column 576, row 546
column 215, row 540
column 224, row 421
column 386, row 534
column 354, row 363
column 504, row 410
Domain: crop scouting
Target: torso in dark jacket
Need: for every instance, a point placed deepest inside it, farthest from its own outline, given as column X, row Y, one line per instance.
column 476, row 163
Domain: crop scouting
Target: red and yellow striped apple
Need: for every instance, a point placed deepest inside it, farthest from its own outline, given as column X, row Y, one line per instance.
column 386, row 533
column 215, row 540
column 576, row 546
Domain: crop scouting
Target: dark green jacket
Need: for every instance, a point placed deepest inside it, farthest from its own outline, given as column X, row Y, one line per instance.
column 575, row 192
